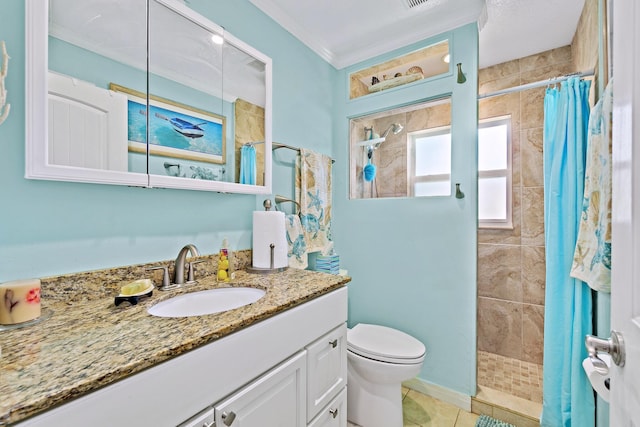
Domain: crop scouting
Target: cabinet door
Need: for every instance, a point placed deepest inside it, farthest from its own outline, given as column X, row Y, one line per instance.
column 335, row 414
column 327, row 369
column 275, row 399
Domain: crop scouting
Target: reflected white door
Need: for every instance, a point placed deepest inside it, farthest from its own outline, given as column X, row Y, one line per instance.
column 625, row 296
column 87, row 125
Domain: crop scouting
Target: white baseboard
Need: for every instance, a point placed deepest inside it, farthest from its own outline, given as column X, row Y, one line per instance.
column 443, row 394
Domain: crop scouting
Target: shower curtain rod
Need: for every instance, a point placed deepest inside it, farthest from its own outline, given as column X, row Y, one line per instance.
column 547, row 82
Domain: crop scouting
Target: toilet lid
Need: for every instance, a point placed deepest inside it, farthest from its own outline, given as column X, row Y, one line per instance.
column 384, row 344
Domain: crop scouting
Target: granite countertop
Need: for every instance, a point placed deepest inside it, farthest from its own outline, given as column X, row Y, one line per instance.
column 88, row 343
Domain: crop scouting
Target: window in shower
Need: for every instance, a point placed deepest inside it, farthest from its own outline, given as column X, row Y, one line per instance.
column 384, row 146
column 430, row 162
column 429, row 168
column 494, row 173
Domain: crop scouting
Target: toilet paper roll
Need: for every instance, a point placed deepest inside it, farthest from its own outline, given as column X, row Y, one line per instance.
column 597, row 379
column 269, row 228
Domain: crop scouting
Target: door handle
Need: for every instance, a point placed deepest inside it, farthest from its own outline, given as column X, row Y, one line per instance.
column 614, row 346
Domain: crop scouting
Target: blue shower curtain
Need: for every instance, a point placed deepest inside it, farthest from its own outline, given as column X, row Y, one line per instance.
column 567, row 395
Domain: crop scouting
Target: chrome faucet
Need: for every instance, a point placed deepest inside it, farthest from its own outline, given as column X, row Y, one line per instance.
column 178, row 274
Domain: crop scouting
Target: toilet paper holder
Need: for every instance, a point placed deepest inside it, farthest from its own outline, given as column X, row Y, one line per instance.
column 614, row 346
column 599, row 382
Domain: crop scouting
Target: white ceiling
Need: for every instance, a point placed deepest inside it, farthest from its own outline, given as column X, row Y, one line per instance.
column 345, row 32
column 186, row 54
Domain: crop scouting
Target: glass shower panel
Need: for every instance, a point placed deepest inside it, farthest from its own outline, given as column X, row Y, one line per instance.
column 402, row 152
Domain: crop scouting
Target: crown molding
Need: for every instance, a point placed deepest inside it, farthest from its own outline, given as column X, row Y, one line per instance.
column 368, row 45
column 280, row 16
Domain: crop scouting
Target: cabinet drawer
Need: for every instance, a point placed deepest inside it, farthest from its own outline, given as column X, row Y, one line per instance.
column 334, row 414
column 326, row 369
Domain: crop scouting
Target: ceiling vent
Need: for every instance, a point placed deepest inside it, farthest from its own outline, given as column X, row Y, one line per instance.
column 414, row 3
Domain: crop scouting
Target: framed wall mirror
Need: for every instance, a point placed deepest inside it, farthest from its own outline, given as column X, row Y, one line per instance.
column 402, row 152
column 114, row 100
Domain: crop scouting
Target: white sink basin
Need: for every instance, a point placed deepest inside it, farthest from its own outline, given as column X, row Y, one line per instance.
column 206, row 302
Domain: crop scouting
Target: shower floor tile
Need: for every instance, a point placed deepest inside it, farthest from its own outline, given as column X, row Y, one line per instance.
column 506, row 407
column 512, row 376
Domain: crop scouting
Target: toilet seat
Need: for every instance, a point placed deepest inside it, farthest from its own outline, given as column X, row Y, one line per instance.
column 384, row 344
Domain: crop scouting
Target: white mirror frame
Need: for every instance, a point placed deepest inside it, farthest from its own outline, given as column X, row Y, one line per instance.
column 36, row 122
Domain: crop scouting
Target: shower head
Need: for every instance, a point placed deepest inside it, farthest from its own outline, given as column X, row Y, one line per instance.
column 396, row 128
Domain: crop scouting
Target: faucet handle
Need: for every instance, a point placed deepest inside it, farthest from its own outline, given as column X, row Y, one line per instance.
column 166, row 283
column 191, row 276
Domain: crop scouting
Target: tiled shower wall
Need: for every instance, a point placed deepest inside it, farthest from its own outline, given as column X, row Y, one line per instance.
column 511, row 266
column 249, row 127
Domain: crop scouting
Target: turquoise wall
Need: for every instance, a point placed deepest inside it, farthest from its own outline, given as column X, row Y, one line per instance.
column 49, row 228
column 413, row 260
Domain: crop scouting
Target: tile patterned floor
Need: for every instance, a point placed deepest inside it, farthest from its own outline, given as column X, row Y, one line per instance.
column 420, row 410
column 499, row 380
column 521, row 379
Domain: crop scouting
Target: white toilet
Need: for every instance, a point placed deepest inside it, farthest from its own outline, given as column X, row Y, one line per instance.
column 379, row 359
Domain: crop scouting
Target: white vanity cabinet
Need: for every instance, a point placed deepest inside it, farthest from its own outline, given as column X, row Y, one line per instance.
column 326, row 371
column 262, row 374
column 309, row 385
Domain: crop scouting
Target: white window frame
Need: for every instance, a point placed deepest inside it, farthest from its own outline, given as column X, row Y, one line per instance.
column 499, row 173
column 412, row 179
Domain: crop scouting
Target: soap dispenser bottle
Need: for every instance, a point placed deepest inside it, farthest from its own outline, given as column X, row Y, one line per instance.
column 225, row 262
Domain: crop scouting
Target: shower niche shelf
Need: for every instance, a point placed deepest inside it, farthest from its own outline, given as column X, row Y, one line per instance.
column 409, row 68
